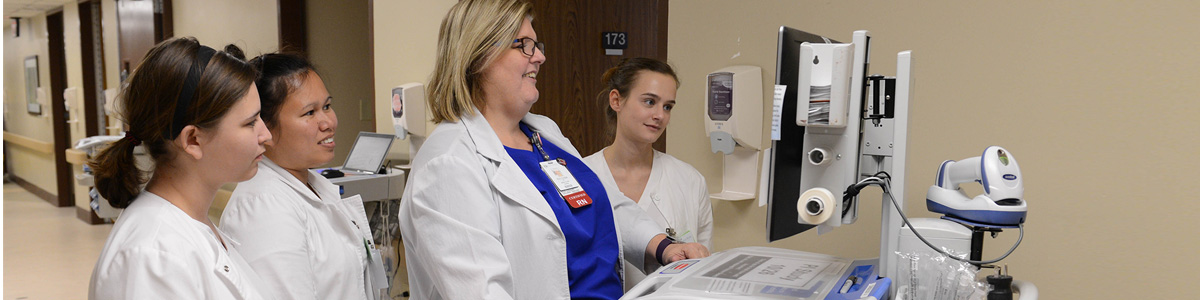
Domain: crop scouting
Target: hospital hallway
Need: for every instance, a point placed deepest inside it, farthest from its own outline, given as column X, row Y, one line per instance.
column 48, row 252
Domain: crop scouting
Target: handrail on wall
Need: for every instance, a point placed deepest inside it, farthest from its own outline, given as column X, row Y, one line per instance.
column 27, row 142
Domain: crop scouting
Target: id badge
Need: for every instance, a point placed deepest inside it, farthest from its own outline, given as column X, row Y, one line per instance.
column 379, row 278
column 566, row 184
column 686, row 237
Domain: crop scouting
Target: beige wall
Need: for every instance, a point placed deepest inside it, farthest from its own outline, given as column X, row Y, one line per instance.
column 252, row 25
column 1096, row 99
column 1048, row 81
column 112, row 54
column 339, row 45
column 77, row 130
column 405, row 47
column 112, row 69
column 73, row 51
column 27, row 164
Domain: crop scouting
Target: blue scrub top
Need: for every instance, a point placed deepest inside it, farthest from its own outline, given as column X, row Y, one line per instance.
column 592, row 248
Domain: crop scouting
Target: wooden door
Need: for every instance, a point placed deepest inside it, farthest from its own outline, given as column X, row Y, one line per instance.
column 141, row 24
column 569, row 81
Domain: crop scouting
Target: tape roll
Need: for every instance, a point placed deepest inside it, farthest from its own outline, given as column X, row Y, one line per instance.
column 815, row 206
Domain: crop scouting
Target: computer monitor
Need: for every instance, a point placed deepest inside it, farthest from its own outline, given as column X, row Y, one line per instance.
column 368, row 152
column 787, row 153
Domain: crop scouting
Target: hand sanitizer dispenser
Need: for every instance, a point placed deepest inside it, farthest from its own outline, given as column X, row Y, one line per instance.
column 410, row 115
column 733, row 121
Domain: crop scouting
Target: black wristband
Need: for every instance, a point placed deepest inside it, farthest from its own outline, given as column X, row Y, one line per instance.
column 662, row 246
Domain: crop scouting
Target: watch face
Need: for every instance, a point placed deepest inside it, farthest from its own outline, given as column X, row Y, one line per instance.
column 720, row 96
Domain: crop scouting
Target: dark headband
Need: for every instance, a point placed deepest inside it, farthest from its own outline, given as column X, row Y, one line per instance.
column 189, row 90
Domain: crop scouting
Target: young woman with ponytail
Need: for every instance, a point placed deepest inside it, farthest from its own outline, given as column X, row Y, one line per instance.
column 195, row 111
column 639, row 95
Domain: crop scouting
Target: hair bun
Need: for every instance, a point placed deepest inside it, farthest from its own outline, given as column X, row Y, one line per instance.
column 234, row 51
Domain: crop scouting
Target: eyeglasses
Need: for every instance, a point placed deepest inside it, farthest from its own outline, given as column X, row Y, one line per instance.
column 527, row 45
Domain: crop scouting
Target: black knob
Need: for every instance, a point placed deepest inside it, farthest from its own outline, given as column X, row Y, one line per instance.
column 1001, row 287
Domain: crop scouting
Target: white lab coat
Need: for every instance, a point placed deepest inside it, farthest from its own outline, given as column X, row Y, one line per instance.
column 475, row 227
column 676, row 196
column 157, row 251
column 304, row 245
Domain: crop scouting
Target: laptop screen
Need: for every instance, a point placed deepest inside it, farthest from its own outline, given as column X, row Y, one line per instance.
column 368, row 152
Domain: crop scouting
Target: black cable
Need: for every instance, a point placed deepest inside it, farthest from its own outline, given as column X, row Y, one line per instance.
column 887, row 190
column 851, row 192
column 883, row 179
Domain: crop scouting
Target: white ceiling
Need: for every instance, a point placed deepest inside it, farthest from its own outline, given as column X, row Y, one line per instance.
column 30, row 8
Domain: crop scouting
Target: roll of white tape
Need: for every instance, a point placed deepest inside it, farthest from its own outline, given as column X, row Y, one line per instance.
column 815, row 206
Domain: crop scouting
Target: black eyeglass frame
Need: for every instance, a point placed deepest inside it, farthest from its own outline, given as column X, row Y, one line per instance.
column 524, row 42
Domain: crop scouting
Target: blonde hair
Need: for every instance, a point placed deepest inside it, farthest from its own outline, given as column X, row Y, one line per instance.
column 471, row 37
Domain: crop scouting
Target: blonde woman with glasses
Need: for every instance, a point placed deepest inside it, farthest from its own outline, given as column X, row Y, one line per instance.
column 499, row 204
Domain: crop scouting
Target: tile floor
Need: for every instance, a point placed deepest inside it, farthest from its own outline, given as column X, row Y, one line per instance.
column 48, row 252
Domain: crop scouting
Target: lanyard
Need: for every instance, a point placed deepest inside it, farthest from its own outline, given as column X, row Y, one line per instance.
column 556, row 170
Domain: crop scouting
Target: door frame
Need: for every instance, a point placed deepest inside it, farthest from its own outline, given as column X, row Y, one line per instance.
column 91, row 44
column 56, row 43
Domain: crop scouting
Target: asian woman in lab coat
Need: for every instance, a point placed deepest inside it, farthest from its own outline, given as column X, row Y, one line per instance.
column 639, row 95
column 296, row 230
column 485, row 213
column 195, row 111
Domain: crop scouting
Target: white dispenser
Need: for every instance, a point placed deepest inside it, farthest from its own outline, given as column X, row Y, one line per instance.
column 110, row 112
column 824, row 83
column 75, row 116
column 733, row 121
column 410, row 120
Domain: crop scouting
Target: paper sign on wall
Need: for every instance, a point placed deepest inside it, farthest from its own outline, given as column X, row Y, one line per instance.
column 777, row 111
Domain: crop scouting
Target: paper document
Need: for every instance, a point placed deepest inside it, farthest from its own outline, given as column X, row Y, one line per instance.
column 777, row 111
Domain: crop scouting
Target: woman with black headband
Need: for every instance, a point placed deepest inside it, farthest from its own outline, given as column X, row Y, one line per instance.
column 196, row 112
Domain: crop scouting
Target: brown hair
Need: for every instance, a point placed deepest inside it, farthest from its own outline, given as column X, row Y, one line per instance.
column 280, row 74
column 622, row 77
column 148, row 104
column 471, row 37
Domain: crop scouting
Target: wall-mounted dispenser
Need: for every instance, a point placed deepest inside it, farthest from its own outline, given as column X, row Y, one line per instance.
column 410, row 116
column 115, row 127
column 75, row 116
column 734, row 122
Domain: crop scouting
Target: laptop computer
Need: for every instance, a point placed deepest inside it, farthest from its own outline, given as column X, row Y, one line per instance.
column 368, row 153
